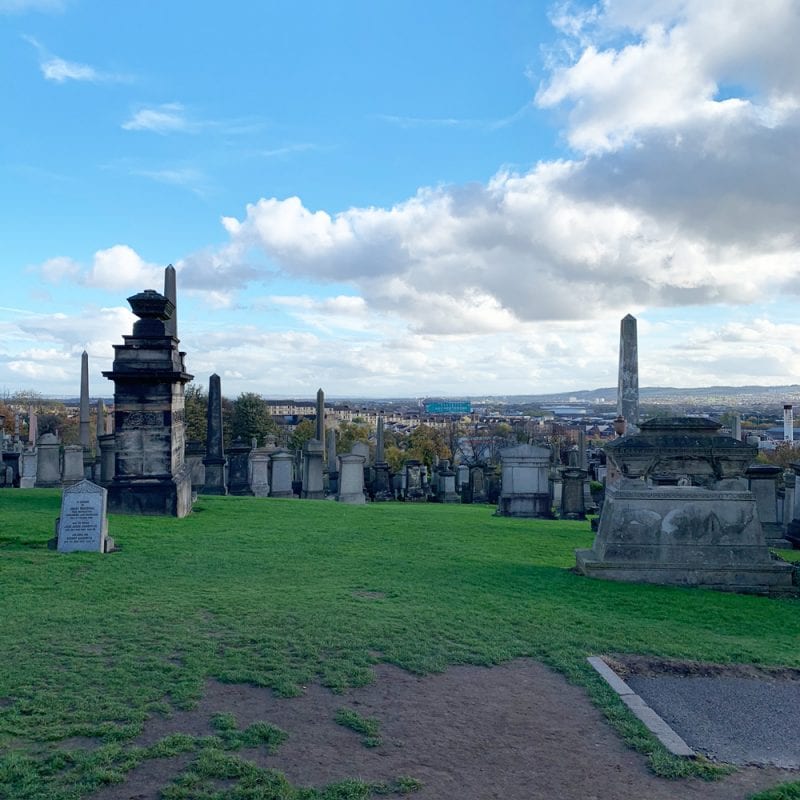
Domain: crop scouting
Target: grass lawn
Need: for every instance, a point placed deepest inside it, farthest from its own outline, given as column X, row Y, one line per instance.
column 279, row 593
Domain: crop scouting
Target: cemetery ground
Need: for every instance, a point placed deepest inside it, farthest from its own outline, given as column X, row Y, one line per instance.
column 294, row 650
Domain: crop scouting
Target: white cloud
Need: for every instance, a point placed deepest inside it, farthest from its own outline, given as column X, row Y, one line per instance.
column 60, row 268
column 165, row 118
column 121, row 267
column 57, row 69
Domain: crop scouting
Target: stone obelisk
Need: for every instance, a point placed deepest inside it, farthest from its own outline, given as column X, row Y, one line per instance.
column 320, row 432
column 379, row 441
column 84, row 407
column 215, row 458
column 628, row 383
column 171, row 293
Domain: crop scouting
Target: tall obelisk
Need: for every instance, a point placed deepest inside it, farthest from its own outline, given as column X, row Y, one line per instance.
column 320, row 432
column 628, row 383
column 171, row 293
column 84, row 407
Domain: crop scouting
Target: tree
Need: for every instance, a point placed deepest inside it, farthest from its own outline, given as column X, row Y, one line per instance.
column 304, row 430
column 196, row 410
column 349, row 433
column 425, row 443
column 250, row 418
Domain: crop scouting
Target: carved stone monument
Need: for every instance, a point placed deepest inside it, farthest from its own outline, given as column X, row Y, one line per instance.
column 681, row 513
column 628, row 381
column 313, row 488
column 149, row 376
column 214, row 461
column 351, row 479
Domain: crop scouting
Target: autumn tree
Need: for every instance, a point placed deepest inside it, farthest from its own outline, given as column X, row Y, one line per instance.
column 303, row 432
column 250, row 418
column 196, row 410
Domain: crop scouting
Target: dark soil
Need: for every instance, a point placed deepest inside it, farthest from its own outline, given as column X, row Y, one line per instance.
column 517, row 731
column 645, row 667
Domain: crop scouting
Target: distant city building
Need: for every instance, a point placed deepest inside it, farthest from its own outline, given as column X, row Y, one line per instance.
column 447, row 406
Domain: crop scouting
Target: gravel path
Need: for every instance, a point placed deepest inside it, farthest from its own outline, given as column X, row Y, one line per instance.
column 733, row 719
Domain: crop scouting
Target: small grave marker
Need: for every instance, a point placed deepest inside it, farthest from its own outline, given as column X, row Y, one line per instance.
column 83, row 524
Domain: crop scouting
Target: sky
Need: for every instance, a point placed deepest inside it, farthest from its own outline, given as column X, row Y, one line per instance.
column 447, row 198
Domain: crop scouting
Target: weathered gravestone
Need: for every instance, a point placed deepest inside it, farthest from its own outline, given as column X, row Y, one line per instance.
column 280, row 473
column 48, row 462
column 83, row 524
column 351, row 479
column 525, row 487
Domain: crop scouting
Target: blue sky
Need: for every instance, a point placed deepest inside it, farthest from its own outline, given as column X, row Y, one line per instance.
column 403, row 198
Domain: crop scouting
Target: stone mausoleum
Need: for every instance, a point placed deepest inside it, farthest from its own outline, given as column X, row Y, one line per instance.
column 149, row 376
column 680, row 512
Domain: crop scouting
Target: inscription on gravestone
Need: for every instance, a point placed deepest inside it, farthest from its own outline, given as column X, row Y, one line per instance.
column 83, row 518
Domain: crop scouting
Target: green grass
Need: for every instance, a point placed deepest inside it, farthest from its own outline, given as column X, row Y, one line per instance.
column 785, row 791
column 279, row 593
column 368, row 728
column 789, row 555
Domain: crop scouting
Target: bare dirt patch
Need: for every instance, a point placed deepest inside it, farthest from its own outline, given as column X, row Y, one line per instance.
column 646, row 667
column 517, row 731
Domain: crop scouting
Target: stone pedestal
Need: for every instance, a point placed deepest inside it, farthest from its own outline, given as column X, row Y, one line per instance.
column 27, row 469
column 73, row 465
column 313, row 488
column 107, row 457
column 447, row 487
column 572, row 497
column 194, row 463
column 48, row 462
column 259, row 472
column 763, row 482
column 281, row 468
column 477, row 485
column 525, row 488
column 382, row 483
column 683, row 515
column 150, row 476
column 351, row 479
column 414, row 491
column 239, row 468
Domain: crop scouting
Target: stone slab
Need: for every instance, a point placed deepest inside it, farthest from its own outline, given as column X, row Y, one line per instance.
column 83, row 521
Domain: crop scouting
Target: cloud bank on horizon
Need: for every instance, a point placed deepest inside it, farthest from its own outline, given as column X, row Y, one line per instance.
column 675, row 197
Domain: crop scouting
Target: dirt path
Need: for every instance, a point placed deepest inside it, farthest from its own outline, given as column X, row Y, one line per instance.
column 518, row 732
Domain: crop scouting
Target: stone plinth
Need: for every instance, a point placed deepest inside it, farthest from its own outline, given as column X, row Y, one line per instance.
column 414, row 490
column 194, row 454
column 684, row 536
column 281, row 466
column 684, row 515
column 525, row 488
column 572, row 493
column 27, row 469
column 763, row 483
column 107, row 458
column 150, row 476
column 351, row 479
column 259, row 472
column 73, row 465
column 447, row 487
column 48, row 462
column 239, row 468
column 313, row 487
column 382, row 483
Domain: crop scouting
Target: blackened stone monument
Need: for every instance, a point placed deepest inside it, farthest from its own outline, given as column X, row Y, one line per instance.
column 149, row 376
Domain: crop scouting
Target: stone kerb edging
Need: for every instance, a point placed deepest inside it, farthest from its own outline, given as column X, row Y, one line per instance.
column 652, row 721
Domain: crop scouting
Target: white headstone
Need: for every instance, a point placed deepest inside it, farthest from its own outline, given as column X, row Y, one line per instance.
column 83, row 523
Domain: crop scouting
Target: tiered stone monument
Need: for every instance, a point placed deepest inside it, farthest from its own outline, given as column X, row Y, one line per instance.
column 239, row 468
column 525, row 482
column 149, row 378
column 682, row 514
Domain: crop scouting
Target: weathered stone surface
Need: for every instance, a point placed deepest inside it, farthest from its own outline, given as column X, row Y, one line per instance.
column 525, row 488
column 572, row 495
column 414, row 491
column 150, row 476
column 351, row 479
column 73, row 464
column 214, row 461
column 239, row 468
column 27, row 469
column 313, row 488
column 83, row 523
column 628, row 380
column 48, row 462
column 281, row 466
column 684, row 516
column 107, row 458
column 84, row 402
column 259, row 472
column 320, row 420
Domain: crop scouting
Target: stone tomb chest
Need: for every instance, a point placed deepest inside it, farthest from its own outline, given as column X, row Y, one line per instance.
column 680, row 513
